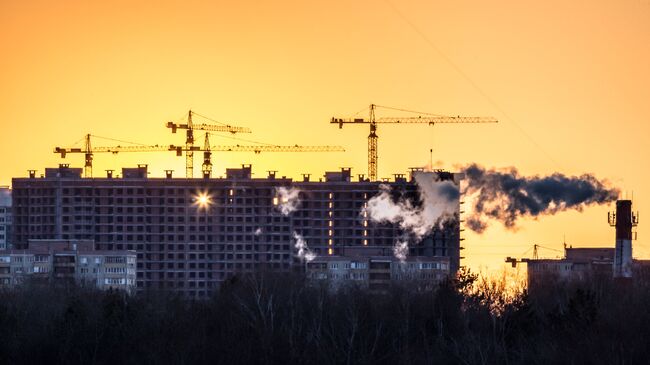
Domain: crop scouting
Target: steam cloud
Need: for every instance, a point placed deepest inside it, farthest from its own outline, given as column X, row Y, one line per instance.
column 505, row 196
column 258, row 231
column 288, row 199
column 304, row 253
column 401, row 250
column 439, row 203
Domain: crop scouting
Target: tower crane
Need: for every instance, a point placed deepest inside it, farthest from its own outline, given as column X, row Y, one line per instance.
column 88, row 151
column 189, row 136
column 257, row 149
column 207, row 149
column 514, row 261
column 373, row 138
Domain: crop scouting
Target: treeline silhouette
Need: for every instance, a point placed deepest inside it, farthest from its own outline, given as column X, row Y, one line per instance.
column 281, row 319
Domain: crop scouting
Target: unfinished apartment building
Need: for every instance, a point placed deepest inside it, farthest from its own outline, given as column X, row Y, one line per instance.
column 192, row 234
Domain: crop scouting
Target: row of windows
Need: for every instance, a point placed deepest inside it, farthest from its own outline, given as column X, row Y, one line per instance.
column 191, row 191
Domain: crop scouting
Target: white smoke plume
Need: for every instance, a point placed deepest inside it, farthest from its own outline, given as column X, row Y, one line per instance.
column 438, row 204
column 258, row 231
column 288, row 199
column 401, row 250
column 304, row 253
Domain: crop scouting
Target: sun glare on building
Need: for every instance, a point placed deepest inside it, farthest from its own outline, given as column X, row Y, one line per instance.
column 203, row 200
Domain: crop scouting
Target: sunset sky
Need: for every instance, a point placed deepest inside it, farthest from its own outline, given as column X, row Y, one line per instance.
column 568, row 81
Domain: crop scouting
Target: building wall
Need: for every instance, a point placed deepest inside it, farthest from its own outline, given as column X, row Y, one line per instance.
column 378, row 273
column 68, row 261
column 5, row 218
column 190, row 249
column 577, row 264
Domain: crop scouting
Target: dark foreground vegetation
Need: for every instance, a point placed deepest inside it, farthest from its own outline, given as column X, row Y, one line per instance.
column 280, row 320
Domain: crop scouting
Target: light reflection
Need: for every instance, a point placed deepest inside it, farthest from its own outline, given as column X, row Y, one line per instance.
column 203, row 200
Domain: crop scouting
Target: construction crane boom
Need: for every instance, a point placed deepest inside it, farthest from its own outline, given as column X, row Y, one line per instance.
column 431, row 120
column 207, row 150
column 274, row 148
column 88, row 151
column 373, row 138
column 189, row 136
column 208, row 127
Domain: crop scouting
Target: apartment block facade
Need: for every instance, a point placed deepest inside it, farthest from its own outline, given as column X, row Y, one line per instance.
column 69, row 261
column 192, row 234
column 377, row 273
column 5, row 218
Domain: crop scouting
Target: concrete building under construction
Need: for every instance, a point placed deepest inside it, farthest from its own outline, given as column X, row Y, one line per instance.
column 192, row 234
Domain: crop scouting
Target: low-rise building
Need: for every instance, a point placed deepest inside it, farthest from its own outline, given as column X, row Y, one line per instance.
column 69, row 261
column 580, row 264
column 378, row 272
column 577, row 264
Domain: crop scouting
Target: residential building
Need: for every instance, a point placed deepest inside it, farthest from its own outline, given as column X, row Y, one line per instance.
column 5, row 217
column 68, row 261
column 191, row 234
column 378, row 272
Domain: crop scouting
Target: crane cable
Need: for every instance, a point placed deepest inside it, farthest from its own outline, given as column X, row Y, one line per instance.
column 242, row 139
column 118, row 140
column 210, row 119
column 409, row 111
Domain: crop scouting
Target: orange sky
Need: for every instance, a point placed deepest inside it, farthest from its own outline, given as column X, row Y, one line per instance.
column 568, row 81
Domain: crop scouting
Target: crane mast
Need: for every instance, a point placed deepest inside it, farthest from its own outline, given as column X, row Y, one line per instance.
column 88, row 163
column 372, row 145
column 207, row 157
column 189, row 143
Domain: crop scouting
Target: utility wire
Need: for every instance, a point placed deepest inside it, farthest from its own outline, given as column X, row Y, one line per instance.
column 469, row 80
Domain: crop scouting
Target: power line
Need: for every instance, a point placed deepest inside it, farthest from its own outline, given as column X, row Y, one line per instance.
column 470, row 81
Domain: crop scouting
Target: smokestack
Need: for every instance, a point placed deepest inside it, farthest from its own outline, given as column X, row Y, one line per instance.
column 623, row 219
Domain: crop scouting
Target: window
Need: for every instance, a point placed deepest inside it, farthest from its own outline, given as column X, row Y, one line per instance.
column 115, row 270
column 114, row 281
column 84, row 260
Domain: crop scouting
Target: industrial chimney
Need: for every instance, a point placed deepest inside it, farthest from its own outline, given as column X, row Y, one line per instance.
column 623, row 219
